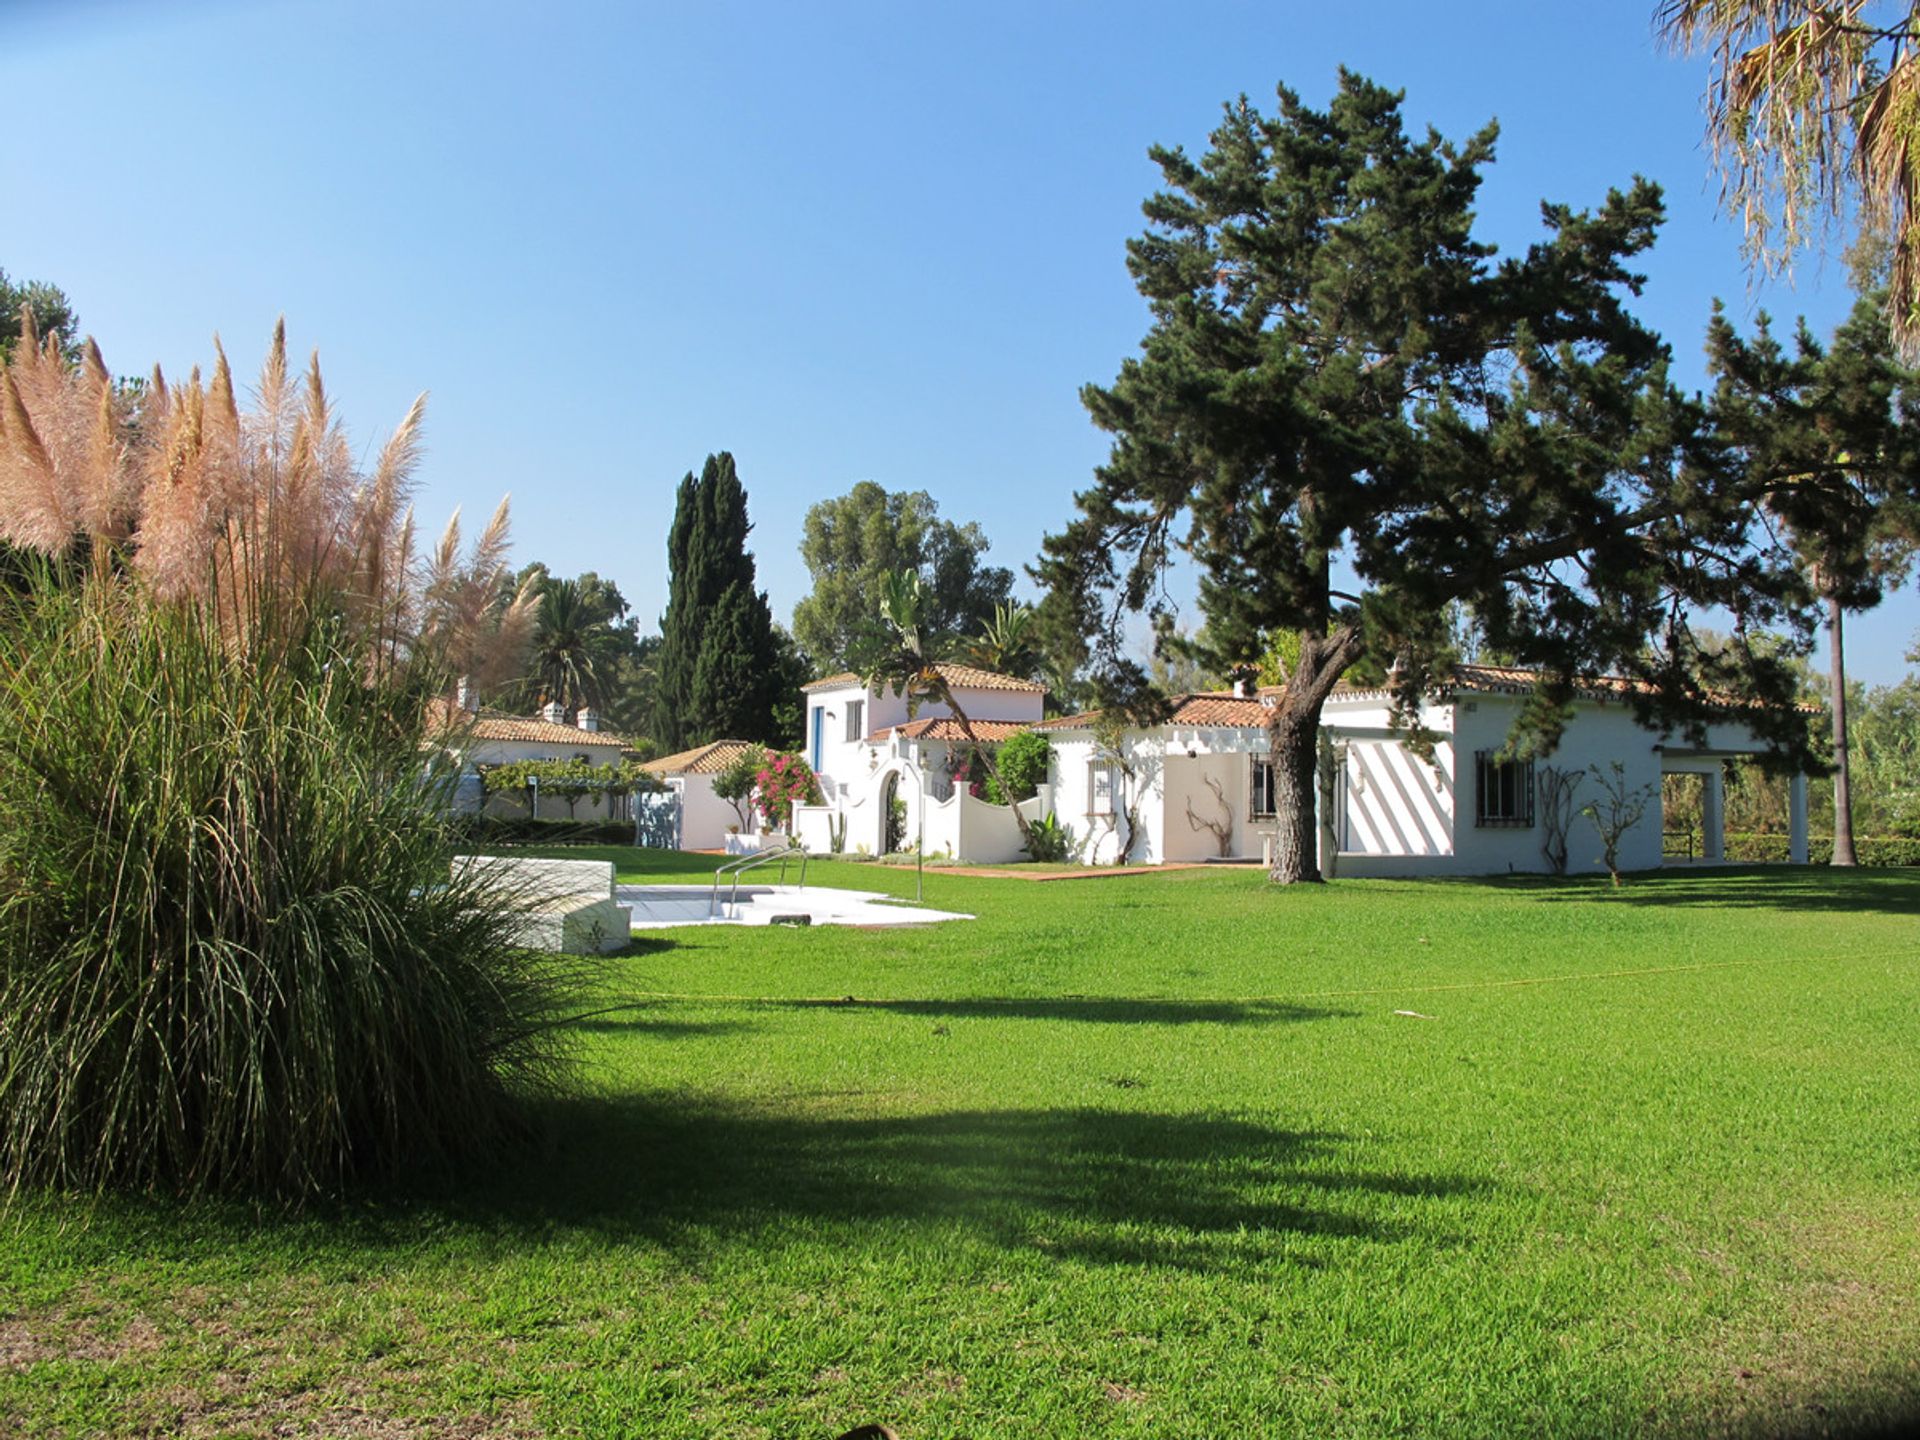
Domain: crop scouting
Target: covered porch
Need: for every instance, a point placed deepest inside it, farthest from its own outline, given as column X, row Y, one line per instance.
column 1708, row 765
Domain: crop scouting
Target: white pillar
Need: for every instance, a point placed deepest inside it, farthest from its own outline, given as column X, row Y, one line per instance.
column 1713, row 816
column 1797, row 818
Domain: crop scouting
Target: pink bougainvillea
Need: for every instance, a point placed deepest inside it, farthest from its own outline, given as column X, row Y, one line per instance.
column 965, row 779
column 784, row 781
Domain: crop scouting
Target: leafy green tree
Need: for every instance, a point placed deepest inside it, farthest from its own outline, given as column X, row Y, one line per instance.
column 1837, row 428
column 852, row 543
column 50, row 310
column 1887, row 757
column 718, row 667
column 630, row 702
column 1338, row 369
column 1062, row 642
column 1023, row 760
column 736, row 783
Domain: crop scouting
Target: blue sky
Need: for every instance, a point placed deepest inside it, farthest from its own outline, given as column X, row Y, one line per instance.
column 843, row 241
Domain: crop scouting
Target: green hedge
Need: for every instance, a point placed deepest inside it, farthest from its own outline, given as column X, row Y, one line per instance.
column 518, row 830
column 1870, row 849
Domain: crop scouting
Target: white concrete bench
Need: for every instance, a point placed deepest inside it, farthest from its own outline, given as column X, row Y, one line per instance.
column 562, row 905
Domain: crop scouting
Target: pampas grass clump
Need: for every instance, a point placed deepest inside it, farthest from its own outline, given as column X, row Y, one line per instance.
column 232, row 958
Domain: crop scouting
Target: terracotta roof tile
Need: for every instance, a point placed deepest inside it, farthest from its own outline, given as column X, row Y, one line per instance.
column 946, row 728
column 535, row 729
column 1206, row 707
column 708, row 759
column 1220, row 708
column 965, row 677
column 1517, row 680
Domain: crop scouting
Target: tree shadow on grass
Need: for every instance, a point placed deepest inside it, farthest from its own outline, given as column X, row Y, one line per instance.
column 650, row 1015
column 1114, row 1186
column 1747, row 887
column 647, row 1020
column 1088, row 1009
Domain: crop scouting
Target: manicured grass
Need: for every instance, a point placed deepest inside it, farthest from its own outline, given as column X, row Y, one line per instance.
column 1154, row 1158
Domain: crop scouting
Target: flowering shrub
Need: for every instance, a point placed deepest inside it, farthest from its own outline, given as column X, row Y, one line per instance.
column 784, row 780
column 964, row 777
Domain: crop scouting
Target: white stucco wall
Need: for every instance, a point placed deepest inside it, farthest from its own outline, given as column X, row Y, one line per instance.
column 1098, row 833
column 849, row 763
column 704, row 816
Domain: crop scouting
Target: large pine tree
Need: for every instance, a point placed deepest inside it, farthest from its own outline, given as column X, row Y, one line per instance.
column 1340, row 377
column 717, row 658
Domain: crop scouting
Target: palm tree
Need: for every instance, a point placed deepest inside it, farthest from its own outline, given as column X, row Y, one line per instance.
column 574, row 648
column 909, row 665
column 1811, row 117
column 1007, row 643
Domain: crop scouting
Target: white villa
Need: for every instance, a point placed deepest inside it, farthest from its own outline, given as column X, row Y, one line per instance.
column 706, row 822
column 1200, row 785
column 869, row 753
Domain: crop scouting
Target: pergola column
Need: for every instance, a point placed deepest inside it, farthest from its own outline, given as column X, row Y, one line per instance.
column 1713, row 815
column 1797, row 818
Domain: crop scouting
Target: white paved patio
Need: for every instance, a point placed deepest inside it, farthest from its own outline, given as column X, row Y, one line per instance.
column 657, row 907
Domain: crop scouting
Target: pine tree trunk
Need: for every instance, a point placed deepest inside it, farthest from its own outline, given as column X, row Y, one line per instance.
column 1843, row 853
column 1292, row 739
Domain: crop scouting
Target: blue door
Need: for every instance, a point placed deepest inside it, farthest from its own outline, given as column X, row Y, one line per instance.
column 819, row 733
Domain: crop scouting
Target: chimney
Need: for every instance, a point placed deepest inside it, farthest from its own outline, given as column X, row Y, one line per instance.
column 465, row 696
column 589, row 719
column 556, row 712
column 1240, row 687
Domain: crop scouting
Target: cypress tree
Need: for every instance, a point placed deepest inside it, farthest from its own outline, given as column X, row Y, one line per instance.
column 735, row 679
column 717, row 656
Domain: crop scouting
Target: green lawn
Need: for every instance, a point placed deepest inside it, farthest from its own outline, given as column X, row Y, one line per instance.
column 1149, row 1157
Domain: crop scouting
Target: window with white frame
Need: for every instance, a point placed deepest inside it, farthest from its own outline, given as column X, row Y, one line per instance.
column 1101, row 787
column 856, row 720
column 1260, row 788
column 1503, row 791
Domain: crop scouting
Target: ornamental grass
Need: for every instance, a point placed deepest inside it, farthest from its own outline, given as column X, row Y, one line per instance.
column 232, row 956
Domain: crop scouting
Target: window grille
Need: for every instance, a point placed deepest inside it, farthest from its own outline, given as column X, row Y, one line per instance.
column 1503, row 791
column 856, row 720
column 1260, row 788
column 1099, row 789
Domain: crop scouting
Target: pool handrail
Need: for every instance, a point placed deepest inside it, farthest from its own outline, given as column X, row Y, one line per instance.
column 737, row 868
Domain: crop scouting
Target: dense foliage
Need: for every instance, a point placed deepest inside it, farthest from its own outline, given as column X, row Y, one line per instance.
column 571, row 780
column 719, row 674
column 852, row 543
column 1023, row 758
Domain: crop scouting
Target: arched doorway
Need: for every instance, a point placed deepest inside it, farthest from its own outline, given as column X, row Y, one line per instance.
column 893, row 816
